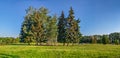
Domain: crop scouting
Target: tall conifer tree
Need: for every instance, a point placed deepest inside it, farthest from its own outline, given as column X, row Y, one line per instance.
column 73, row 32
column 62, row 29
column 26, row 33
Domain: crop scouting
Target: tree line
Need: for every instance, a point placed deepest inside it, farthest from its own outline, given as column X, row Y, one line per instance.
column 112, row 38
column 8, row 40
column 39, row 27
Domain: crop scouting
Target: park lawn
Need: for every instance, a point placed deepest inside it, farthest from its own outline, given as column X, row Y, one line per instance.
column 79, row 51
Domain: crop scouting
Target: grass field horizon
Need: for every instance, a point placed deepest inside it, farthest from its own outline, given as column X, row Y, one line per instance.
column 78, row 51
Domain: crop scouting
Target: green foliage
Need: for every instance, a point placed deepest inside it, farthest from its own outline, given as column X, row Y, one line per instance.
column 85, row 39
column 39, row 27
column 26, row 32
column 116, row 42
column 62, row 29
column 94, row 40
column 52, row 31
column 105, row 39
column 8, row 40
column 72, row 28
column 34, row 25
column 114, row 36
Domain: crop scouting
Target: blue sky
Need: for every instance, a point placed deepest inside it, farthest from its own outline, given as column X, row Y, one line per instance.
column 97, row 16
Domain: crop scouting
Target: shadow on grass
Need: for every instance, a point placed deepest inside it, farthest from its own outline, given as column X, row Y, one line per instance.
column 8, row 56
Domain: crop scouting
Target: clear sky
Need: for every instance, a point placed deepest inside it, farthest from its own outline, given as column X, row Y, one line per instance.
column 97, row 16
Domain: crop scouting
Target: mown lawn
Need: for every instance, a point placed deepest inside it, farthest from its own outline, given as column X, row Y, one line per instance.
column 81, row 51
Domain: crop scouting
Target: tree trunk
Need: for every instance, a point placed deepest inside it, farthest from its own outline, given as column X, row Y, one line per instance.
column 72, row 43
column 28, row 43
column 37, row 43
column 63, row 43
column 67, row 43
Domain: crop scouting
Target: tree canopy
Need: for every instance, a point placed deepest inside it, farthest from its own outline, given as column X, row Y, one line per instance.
column 39, row 27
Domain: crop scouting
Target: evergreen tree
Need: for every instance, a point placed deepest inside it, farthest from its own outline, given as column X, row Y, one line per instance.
column 39, row 26
column 53, row 31
column 62, row 29
column 34, row 26
column 26, row 32
column 77, row 33
column 69, row 30
column 72, row 31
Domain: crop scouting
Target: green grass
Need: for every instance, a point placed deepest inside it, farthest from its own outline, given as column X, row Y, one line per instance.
column 81, row 51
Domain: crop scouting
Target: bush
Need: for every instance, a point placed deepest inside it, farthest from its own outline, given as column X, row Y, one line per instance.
column 116, row 42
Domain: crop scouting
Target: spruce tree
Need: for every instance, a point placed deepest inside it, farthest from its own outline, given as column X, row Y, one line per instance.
column 34, row 25
column 72, row 31
column 62, row 29
column 77, row 34
column 39, row 26
column 26, row 32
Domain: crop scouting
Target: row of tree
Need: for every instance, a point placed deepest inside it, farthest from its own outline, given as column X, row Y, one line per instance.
column 68, row 28
column 39, row 27
column 113, row 38
column 8, row 40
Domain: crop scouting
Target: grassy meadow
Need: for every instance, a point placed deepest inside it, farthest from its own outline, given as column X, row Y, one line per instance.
column 81, row 51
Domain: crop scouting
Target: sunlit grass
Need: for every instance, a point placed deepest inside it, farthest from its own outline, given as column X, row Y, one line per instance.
column 80, row 51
